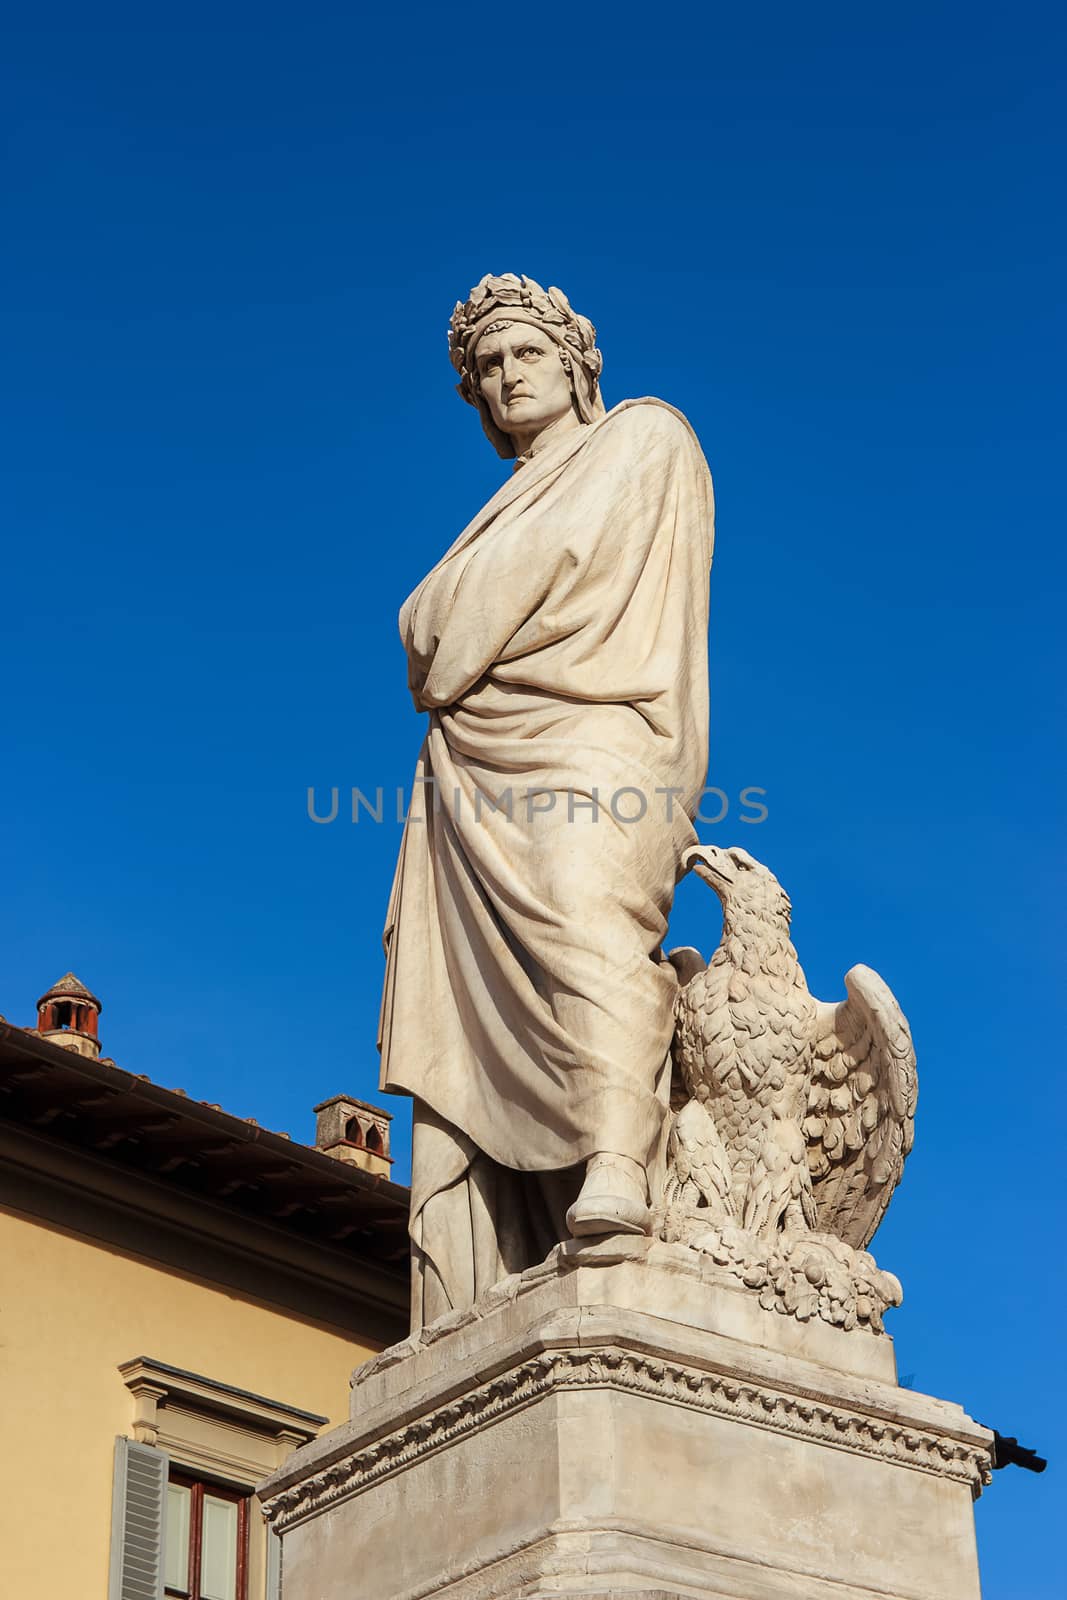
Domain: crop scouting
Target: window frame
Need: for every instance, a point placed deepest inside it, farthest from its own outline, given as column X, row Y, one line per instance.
column 198, row 1486
column 223, row 1435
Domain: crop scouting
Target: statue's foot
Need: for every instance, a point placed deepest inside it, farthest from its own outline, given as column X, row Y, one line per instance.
column 614, row 1198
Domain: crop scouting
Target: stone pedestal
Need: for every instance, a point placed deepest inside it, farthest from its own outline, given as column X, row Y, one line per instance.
column 627, row 1420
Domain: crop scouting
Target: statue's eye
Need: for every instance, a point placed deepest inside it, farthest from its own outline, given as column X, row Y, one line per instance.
column 530, row 352
column 491, row 365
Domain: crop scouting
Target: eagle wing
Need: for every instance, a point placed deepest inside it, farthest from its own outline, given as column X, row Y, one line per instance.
column 860, row 1121
column 696, row 1159
column 686, row 1045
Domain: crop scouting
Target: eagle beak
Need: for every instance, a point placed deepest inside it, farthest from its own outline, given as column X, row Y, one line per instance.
column 711, row 864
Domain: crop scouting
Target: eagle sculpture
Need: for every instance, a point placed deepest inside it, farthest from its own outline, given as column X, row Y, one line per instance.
column 796, row 1115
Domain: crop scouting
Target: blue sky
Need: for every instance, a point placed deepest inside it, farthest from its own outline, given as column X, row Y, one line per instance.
column 833, row 236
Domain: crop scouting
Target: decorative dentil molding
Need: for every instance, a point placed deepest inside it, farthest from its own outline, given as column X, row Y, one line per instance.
column 625, row 1371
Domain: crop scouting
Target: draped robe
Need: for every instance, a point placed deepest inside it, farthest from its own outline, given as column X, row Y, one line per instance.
column 560, row 649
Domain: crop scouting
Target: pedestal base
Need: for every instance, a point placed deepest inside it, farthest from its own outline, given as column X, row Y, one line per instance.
column 626, row 1421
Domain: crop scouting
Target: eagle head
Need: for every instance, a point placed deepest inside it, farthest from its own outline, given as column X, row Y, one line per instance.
column 743, row 884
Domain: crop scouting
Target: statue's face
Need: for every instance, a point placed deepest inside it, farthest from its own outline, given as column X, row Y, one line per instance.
column 523, row 380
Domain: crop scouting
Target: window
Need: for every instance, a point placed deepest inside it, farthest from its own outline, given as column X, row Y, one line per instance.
column 175, row 1506
column 206, row 1543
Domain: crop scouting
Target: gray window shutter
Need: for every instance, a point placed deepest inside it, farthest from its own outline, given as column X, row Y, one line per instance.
column 138, row 1522
column 274, row 1565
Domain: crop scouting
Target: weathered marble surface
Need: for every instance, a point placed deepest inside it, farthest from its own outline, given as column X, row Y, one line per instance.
column 798, row 1114
column 559, row 649
column 802, row 1112
column 626, row 1420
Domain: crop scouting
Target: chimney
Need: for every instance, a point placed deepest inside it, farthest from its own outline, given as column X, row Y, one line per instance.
column 353, row 1131
column 67, row 1015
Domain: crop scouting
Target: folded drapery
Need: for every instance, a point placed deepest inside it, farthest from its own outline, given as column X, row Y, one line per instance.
column 560, row 648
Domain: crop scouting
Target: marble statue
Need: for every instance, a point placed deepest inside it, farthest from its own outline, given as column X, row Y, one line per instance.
column 799, row 1114
column 647, row 1355
column 559, row 648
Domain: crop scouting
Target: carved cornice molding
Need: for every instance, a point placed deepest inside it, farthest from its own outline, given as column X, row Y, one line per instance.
column 624, row 1371
column 151, row 1381
column 213, row 1427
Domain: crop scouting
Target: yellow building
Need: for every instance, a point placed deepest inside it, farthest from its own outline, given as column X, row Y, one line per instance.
column 184, row 1297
